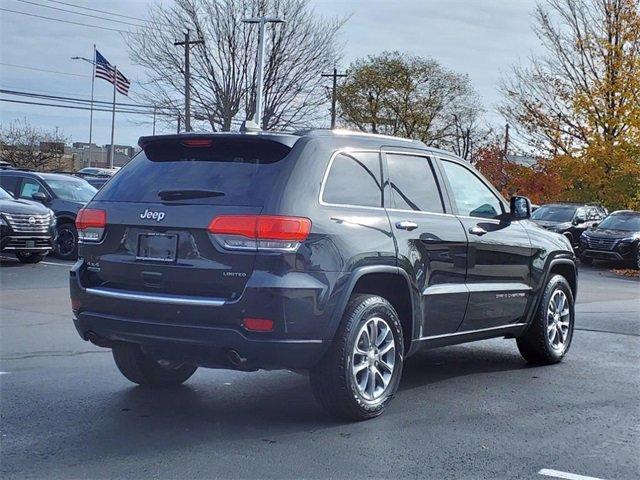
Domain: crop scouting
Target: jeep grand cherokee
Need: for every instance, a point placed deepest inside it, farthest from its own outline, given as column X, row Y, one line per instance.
column 336, row 253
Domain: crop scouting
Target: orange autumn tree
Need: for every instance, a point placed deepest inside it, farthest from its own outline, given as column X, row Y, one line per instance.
column 540, row 183
column 579, row 104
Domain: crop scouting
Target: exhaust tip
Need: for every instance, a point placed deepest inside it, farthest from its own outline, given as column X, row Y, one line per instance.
column 236, row 359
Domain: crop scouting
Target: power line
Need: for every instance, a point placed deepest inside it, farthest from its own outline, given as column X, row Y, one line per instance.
column 79, row 13
column 72, row 99
column 68, row 21
column 74, row 107
column 97, row 10
column 44, row 70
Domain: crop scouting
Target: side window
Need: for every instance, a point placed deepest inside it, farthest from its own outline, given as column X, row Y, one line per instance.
column 29, row 187
column 471, row 196
column 9, row 183
column 413, row 183
column 354, row 179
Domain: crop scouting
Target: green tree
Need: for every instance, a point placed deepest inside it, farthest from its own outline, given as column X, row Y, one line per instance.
column 411, row 96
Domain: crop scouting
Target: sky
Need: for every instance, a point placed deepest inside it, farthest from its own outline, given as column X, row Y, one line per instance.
column 481, row 38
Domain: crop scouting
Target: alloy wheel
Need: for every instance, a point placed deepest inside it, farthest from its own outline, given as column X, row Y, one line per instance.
column 558, row 318
column 373, row 359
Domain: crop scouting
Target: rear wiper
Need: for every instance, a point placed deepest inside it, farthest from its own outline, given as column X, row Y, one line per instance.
column 187, row 194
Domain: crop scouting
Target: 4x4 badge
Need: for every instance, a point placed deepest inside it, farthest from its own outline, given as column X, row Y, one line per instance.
column 157, row 216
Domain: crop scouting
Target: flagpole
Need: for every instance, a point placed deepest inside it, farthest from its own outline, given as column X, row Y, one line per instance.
column 93, row 81
column 113, row 114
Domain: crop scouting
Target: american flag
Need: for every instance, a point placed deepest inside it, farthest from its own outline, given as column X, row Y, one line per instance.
column 107, row 72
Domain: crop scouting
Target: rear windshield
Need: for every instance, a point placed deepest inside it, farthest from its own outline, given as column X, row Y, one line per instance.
column 226, row 172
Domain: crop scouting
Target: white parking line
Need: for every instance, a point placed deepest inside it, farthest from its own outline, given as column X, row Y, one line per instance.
column 69, row 265
column 569, row 476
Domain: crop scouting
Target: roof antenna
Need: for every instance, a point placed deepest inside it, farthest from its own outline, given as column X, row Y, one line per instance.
column 249, row 126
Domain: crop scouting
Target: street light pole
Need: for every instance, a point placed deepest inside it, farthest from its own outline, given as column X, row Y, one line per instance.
column 93, row 82
column 262, row 23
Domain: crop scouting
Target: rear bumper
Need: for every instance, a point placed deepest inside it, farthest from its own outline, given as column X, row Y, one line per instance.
column 203, row 330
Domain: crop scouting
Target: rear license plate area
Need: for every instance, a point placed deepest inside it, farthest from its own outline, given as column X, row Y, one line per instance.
column 157, row 247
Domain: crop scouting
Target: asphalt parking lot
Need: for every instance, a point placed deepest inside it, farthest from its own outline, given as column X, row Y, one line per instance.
column 472, row 411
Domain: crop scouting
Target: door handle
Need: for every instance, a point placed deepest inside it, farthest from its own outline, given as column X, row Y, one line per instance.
column 477, row 231
column 406, row 225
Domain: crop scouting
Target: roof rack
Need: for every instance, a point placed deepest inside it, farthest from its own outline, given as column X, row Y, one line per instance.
column 13, row 167
column 345, row 132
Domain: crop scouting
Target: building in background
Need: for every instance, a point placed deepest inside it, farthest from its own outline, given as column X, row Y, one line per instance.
column 99, row 155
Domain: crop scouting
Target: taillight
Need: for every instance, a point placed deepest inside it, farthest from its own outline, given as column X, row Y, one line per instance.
column 260, row 232
column 90, row 223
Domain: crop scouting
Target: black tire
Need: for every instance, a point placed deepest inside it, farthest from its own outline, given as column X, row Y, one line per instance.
column 66, row 243
column 142, row 369
column 332, row 380
column 586, row 260
column 30, row 257
column 535, row 345
column 635, row 263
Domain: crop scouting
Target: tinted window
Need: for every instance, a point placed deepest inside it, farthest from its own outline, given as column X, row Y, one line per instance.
column 555, row 213
column 9, row 183
column 29, row 187
column 72, row 189
column 413, row 184
column 630, row 223
column 232, row 171
column 472, row 197
column 354, row 179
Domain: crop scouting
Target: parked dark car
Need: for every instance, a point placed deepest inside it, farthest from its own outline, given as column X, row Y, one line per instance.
column 64, row 194
column 96, row 176
column 26, row 228
column 568, row 219
column 336, row 253
column 616, row 238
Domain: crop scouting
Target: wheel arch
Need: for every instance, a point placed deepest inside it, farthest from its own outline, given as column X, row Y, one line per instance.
column 391, row 283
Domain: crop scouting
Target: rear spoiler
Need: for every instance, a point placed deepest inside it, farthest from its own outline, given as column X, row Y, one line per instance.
column 281, row 138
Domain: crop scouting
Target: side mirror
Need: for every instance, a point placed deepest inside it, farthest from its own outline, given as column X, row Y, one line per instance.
column 40, row 197
column 520, row 207
column 579, row 219
column 595, row 225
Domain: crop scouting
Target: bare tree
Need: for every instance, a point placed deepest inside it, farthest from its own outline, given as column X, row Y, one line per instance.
column 587, row 86
column 411, row 96
column 223, row 74
column 25, row 146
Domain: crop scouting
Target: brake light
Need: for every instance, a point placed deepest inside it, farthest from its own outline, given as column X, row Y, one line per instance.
column 197, row 142
column 260, row 232
column 90, row 223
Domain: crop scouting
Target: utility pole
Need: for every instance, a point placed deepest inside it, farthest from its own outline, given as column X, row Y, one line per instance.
column 335, row 75
column 154, row 120
column 187, row 77
column 262, row 23
column 506, row 140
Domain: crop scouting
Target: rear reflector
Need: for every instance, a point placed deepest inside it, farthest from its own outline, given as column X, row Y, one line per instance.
column 90, row 223
column 260, row 232
column 258, row 324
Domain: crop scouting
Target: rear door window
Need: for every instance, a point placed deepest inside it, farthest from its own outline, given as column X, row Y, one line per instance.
column 354, row 178
column 413, row 183
column 219, row 172
column 10, row 183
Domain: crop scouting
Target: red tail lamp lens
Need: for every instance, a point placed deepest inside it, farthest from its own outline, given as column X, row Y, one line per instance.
column 91, row 218
column 258, row 324
column 262, row 227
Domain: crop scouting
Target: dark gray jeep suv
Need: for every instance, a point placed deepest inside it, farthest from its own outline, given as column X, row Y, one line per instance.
column 330, row 252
